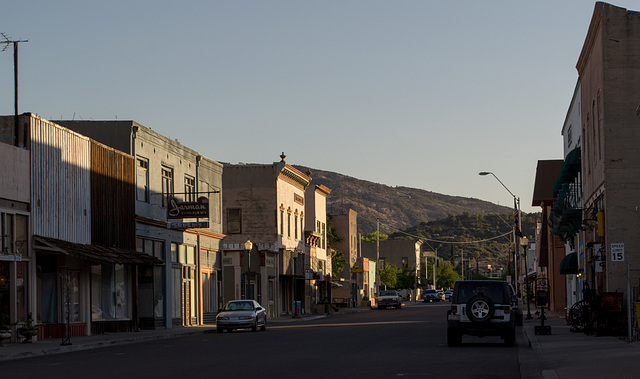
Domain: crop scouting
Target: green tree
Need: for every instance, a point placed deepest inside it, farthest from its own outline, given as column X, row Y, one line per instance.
column 389, row 276
column 406, row 279
column 337, row 257
column 337, row 263
column 447, row 275
column 371, row 237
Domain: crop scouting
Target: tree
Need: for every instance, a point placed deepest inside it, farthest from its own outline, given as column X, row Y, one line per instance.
column 337, row 263
column 447, row 275
column 389, row 276
column 337, row 256
column 371, row 237
column 406, row 279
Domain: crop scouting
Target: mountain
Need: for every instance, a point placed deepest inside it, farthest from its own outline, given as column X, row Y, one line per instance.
column 398, row 208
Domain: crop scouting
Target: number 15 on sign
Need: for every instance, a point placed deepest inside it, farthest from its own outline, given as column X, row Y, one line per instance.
column 617, row 252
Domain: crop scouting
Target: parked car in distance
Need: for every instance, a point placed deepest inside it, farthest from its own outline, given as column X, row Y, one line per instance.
column 517, row 309
column 389, row 298
column 241, row 314
column 447, row 294
column 431, row 295
column 481, row 308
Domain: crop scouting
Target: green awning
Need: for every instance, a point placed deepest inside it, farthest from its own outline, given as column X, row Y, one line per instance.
column 569, row 264
column 570, row 169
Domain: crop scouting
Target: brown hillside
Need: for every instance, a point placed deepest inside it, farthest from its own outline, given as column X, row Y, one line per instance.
column 397, row 207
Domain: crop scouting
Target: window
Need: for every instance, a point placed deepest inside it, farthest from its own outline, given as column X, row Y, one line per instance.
column 110, row 286
column 151, row 247
column 142, row 180
column 167, row 184
column 191, row 255
column 289, row 225
column 22, row 235
column 282, row 223
column 569, row 137
column 301, row 227
column 234, row 221
column 174, row 252
column 271, row 285
column 296, row 227
column 6, row 233
column 323, row 235
column 189, row 188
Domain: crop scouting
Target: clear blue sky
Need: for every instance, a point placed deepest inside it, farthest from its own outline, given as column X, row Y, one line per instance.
column 423, row 94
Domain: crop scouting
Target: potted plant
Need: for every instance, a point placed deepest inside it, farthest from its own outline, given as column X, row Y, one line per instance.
column 28, row 330
column 5, row 328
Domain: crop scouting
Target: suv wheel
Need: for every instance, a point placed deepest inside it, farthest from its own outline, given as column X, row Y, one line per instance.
column 454, row 337
column 480, row 308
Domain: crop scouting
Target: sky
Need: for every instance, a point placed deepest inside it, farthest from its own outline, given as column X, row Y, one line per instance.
column 422, row 94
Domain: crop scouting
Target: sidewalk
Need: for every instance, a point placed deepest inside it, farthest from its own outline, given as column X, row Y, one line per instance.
column 564, row 354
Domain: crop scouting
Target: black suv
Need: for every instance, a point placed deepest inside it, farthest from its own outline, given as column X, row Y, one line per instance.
column 481, row 308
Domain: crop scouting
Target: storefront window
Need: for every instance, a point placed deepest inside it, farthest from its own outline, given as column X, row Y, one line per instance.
column 21, row 290
column 177, row 293
column 109, row 292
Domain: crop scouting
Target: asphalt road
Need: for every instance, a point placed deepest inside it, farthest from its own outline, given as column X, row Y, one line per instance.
column 407, row 342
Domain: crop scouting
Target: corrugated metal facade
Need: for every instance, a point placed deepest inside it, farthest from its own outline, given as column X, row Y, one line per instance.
column 60, row 186
column 112, row 198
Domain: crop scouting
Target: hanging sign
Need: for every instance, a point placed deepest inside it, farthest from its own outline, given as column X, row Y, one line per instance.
column 188, row 209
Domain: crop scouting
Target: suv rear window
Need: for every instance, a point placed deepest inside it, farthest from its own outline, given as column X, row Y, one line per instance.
column 495, row 292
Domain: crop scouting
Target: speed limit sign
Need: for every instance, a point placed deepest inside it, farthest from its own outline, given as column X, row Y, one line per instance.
column 617, row 252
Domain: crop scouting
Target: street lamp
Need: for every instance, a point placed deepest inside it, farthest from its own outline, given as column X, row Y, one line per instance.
column 247, row 247
column 517, row 225
column 525, row 243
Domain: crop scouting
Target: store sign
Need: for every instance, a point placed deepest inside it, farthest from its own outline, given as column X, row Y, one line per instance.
column 270, row 262
column 188, row 225
column 187, row 209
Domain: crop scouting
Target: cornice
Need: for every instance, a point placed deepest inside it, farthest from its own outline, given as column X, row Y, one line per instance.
column 206, row 233
column 322, row 188
column 594, row 29
column 151, row 221
column 293, row 176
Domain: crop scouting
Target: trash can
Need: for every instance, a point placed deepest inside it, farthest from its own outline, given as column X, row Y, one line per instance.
column 297, row 308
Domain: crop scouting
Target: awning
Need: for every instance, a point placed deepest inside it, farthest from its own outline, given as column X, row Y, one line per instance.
column 97, row 254
column 570, row 169
column 569, row 264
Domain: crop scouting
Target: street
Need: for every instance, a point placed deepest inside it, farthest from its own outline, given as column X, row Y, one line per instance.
column 377, row 343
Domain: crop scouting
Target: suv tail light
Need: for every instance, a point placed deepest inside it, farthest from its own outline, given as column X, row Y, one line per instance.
column 454, row 309
column 507, row 309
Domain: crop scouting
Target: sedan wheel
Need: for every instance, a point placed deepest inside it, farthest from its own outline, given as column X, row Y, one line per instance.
column 263, row 327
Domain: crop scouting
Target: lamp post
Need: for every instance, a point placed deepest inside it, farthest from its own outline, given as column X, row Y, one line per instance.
column 248, row 246
column 525, row 243
column 517, row 225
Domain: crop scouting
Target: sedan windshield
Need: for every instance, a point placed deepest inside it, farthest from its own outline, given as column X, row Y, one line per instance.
column 388, row 293
column 239, row 306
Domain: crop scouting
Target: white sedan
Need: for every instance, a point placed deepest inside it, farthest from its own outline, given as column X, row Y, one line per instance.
column 242, row 314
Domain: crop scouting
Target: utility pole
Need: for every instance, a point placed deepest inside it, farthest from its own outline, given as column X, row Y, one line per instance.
column 378, row 254
column 6, row 42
